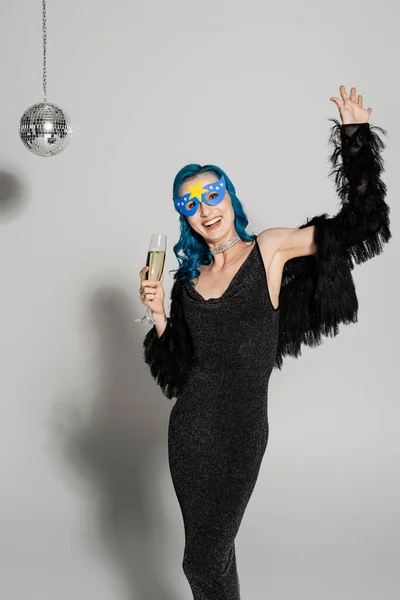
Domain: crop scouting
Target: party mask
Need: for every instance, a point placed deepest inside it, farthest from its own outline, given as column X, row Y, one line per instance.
column 199, row 194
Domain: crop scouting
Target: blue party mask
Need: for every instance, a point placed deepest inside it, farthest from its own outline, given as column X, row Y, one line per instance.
column 199, row 194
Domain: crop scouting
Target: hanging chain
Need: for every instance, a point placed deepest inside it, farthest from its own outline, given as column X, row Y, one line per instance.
column 44, row 50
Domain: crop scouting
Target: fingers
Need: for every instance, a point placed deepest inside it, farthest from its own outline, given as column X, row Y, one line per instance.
column 143, row 272
column 353, row 97
column 148, row 296
column 337, row 101
column 148, row 287
column 343, row 93
column 153, row 282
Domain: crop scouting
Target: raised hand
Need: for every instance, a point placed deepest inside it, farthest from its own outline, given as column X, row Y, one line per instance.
column 350, row 107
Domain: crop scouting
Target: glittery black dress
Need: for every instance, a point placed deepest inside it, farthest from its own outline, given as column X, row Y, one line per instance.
column 216, row 356
column 218, row 427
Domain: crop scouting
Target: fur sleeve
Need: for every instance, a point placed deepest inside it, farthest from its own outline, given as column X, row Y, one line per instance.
column 318, row 291
column 170, row 356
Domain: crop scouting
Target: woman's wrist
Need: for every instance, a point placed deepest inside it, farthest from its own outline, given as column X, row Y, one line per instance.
column 159, row 316
column 350, row 128
column 160, row 322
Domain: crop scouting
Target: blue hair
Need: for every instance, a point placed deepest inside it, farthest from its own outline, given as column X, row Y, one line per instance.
column 195, row 250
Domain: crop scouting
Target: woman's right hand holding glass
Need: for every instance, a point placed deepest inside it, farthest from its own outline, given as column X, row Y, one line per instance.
column 152, row 293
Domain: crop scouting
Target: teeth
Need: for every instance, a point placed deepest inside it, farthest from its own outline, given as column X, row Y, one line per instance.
column 211, row 222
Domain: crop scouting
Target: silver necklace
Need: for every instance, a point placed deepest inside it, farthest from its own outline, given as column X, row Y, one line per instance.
column 236, row 238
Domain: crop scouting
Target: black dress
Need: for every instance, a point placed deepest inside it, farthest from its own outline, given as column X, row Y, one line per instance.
column 218, row 427
column 216, row 357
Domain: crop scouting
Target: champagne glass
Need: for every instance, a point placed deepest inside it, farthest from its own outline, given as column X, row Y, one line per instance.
column 155, row 261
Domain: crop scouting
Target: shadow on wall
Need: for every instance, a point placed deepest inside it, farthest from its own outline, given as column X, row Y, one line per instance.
column 12, row 195
column 116, row 447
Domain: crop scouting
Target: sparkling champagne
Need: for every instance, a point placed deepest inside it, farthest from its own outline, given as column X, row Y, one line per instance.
column 155, row 262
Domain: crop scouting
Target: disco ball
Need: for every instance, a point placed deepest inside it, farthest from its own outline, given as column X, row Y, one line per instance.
column 45, row 129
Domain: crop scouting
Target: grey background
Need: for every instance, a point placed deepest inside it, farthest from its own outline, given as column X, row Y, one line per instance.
column 87, row 507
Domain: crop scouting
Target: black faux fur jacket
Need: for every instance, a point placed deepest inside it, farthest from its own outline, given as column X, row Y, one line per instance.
column 317, row 291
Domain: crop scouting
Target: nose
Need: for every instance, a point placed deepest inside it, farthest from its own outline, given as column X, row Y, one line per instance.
column 205, row 209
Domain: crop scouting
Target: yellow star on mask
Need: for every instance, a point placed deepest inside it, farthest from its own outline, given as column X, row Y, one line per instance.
column 196, row 191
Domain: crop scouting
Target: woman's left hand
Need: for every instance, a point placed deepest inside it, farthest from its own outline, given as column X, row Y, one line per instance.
column 350, row 108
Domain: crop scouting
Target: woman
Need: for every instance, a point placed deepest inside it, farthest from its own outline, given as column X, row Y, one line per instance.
column 239, row 304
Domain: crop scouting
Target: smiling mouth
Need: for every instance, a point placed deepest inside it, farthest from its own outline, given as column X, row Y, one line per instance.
column 214, row 225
